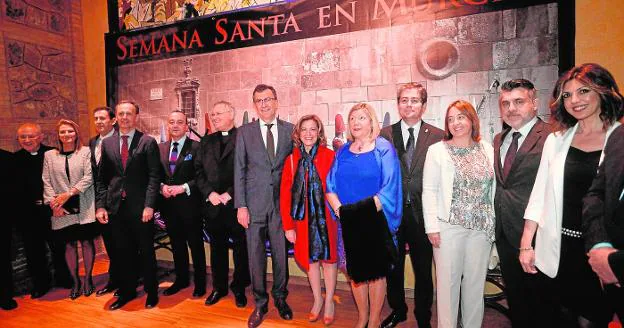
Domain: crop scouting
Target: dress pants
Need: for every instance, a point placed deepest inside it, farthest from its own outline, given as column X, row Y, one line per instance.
column 113, row 265
column 263, row 226
column 134, row 243
column 35, row 229
column 413, row 234
column 527, row 294
column 183, row 231
column 461, row 265
column 221, row 228
column 6, row 269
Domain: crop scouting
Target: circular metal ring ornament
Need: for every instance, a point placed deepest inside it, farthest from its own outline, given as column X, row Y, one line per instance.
column 438, row 58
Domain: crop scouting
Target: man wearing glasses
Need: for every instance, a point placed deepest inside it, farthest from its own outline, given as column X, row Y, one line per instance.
column 261, row 147
column 411, row 138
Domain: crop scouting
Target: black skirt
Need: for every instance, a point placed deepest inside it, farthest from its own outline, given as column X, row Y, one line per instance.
column 369, row 247
column 76, row 232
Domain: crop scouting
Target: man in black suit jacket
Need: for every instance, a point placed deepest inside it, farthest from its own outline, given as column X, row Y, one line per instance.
column 127, row 185
column 603, row 221
column 6, row 201
column 181, row 205
column 517, row 154
column 34, row 222
column 104, row 118
column 215, row 179
column 411, row 138
column 261, row 148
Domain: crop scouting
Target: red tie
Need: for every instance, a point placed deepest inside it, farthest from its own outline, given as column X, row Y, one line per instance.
column 124, row 151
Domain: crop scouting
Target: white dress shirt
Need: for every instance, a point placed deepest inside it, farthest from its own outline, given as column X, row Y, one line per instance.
column 405, row 133
column 263, row 131
column 524, row 131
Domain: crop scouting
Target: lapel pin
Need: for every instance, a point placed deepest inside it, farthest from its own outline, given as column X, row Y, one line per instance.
column 426, row 130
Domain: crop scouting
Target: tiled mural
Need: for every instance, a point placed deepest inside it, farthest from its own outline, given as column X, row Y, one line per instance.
column 49, row 15
column 455, row 58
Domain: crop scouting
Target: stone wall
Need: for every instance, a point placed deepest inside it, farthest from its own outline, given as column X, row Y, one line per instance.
column 455, row 58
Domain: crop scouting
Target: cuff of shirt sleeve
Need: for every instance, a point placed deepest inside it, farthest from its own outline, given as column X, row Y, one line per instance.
column 602, row 245
column 187, row 189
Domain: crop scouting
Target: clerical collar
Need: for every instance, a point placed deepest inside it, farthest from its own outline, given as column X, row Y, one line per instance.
column 35, row 153
column 225, row 133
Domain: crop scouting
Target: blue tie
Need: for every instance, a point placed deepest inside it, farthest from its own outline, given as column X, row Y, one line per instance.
column 173, row 158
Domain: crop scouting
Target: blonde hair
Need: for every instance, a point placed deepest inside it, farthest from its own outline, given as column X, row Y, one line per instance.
column 370, row 112
column 74, row 125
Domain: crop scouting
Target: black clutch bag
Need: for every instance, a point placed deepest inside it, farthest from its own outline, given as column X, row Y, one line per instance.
column 72, row 205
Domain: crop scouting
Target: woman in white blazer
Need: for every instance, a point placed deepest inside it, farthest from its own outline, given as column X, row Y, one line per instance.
column 66, row 176
column 458, row 198
column 586, row 107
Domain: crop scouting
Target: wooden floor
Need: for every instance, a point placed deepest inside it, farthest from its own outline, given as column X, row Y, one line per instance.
column 56, row 310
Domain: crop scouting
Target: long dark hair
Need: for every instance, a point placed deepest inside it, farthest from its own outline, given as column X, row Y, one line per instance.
column 596, row 78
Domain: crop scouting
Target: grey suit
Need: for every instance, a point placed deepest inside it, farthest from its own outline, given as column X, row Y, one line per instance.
column 257, row 186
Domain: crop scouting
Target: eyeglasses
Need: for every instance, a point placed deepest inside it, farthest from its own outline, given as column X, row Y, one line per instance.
column 264, row 101
column 407, row 101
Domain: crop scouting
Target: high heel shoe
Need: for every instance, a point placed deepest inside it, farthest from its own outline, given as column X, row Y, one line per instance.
column 313, row 317
column 75, row 292
column 89, row 288
column 329, row 319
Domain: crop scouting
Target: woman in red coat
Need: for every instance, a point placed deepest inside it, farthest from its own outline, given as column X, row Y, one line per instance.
column 305, row 214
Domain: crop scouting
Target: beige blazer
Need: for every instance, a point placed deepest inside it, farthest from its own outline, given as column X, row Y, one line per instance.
column 55, row 182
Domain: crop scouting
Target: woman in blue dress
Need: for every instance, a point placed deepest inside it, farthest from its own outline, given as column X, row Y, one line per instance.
column 364, row 192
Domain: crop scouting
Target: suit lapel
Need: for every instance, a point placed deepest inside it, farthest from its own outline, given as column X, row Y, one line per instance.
column 529, row 142
column 421, row 144
column 182, row 154
column 164, row 156
column 135, row 142
column 116, row 150
column 498, row 142
column 283, row 137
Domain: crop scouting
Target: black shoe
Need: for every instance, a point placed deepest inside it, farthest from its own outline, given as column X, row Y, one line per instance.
column 38, row 293
column 393, row 319
column 109, row 288
column 199, row 291
column 151, row 301
column 8, row 304
column 241, row 299
column 284, row 310
column 75, row 292
column 120, row 302
column 173, row 289
column 214, row 297
column 89, row 288
column 256, row 317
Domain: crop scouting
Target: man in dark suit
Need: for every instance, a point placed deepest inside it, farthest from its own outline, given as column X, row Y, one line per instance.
column 603, row 221
column 517, row 154
column 261, row 148
column 180, row 205
column 34, row 222
column 104, row 118
column 6, row 201
column 127, row 186
column 411, row 138
column 215, row 179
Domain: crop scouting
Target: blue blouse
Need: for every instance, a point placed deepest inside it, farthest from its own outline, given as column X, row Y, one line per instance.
column 354, row 177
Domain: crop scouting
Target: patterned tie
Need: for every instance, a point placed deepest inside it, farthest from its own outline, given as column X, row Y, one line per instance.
column 124, row 151
column 270, row 143
column 173, row 158
column 511, row 153
column 410, row 147
column 98, row 152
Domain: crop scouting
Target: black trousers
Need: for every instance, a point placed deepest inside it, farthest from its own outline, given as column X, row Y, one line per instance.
column 6, row 269
column 531, row 298
column 134, row 244
column 183, row 232
column 413, row 234
column 35, row 229
column 113, row 260
column 220, row 229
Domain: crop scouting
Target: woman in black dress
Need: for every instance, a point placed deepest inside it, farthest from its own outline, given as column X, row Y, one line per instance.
column 586, row 108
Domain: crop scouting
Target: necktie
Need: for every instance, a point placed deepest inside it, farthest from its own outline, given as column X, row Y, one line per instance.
column 511, row 153
column 173, row 158
column 410, row 147
column 124, row 151
column 270, row 143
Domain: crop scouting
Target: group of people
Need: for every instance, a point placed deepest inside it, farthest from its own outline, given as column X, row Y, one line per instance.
column 441, row 196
